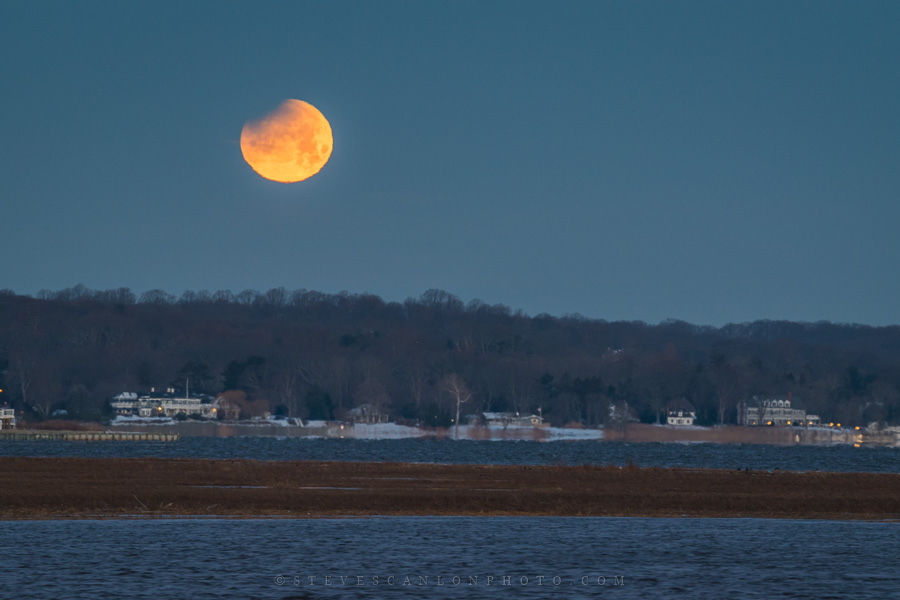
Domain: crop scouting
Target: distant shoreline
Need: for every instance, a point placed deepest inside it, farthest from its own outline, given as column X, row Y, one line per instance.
column 95, row 488
column 633, row 433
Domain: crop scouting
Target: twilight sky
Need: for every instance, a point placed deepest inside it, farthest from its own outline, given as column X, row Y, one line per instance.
column 707, row 161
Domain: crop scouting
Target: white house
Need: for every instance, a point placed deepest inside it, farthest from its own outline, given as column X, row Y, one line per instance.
column 125, row 403
column 680, row 412
column 161, row 404
column 509, row 419
column 776, row 410
column 7, row 418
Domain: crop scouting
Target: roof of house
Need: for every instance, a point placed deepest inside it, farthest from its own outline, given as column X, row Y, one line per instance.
column 796, row 402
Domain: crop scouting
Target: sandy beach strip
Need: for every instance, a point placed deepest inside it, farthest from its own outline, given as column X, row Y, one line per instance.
column 80, row 488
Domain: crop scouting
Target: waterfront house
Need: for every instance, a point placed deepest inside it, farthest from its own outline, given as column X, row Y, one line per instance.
column 509, row 419
column 680, row 412
column 774, row 410
column 161, row 404
column 367, row 413
column 7, row 418
column 226, row 408
column 125, row 404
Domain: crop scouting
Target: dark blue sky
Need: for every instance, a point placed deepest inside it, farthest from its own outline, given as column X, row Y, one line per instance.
column 706, row 161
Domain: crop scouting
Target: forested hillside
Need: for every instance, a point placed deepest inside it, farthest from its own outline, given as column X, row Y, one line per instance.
column 316, row 355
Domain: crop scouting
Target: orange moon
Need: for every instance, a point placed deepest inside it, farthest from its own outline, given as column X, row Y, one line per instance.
column 291, row 143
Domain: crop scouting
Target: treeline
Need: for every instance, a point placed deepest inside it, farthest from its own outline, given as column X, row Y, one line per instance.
column 315, row 355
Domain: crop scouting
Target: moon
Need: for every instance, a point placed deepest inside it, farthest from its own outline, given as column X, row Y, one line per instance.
column 290, row 144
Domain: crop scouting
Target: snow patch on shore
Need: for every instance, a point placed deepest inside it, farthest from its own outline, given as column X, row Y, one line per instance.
column 390, row 431
column 558, row 433
column 382, row 431
column 136, row 420
column 374, row 431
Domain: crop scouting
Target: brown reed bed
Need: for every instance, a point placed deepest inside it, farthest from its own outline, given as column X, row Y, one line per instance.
column 149, row 487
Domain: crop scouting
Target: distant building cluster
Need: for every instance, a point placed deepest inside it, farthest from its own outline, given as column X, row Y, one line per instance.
column 777, row 410
column 162, row 404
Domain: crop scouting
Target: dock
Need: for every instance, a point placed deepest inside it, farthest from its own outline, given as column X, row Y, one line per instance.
column 86, row 436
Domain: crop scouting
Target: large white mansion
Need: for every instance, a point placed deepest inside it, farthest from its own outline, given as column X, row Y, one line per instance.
column 161, row 404
column 776, row 410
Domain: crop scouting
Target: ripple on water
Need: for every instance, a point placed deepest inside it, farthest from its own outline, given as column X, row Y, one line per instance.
column 842, row 458
column 653, row 558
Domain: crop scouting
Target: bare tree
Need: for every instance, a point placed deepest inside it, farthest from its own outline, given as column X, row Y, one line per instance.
column 343, row 378
column 728, row 384
column 663, row 376
column 285, row 388
column 762, row 409
column 522, row 388
column 313, row 372
column 454, row 385
column 416, row 383
column 371, row 392
column 23, row 370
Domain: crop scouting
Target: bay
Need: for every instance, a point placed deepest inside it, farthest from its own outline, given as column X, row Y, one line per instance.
column 450, row 557
column 837, row 458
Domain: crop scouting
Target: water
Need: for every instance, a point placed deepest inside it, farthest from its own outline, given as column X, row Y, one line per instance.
column 843, row 458
column 591, row 557
column 631, row 558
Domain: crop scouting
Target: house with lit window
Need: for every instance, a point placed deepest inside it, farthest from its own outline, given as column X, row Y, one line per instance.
column 510, row 419
column 161, row 404
column 774, row 411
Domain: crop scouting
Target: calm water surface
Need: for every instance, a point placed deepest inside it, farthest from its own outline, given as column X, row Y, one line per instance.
column 590, row 557
column 794, row 458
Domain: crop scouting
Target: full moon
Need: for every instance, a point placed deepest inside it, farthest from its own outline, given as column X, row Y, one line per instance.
column 291, row 143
